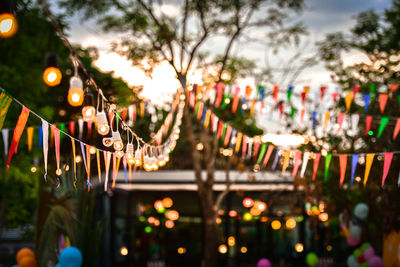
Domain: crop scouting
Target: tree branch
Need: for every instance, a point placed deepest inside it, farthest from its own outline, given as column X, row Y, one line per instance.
column 183, row 37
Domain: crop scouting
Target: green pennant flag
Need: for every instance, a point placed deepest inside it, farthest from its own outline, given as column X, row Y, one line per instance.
column 262, row 152
column 119, row 115
column 327, row 162
column 398, row 99
column 289, row 95
column 5, row 102
column 292, row 112
column 62, row 128
column 223, row 132
column 384, row 122
column 227, row 100
column 372, row 90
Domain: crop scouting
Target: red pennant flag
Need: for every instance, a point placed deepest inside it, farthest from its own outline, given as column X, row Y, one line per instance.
column 19, row 128
column 323, row 90
column 340, row 119
column 124, row 112
column 303, row 97
column 386, row 165
column 356, row 88
column 228, row 135
column 220, row 127
column 235, row 99
column 297, row 159
column 244, row 146
column 335, row 96
column 200, row 111
column 343, row 164
column 396, row 128
column 315, row 167
column 275, row 93
column 268, row 155
column 280, row 110
column 368, row 121
column 220, row 91
column 382, row 102
column 393, row 87
column 256, row 147
column 72, row 127
column 262, row 105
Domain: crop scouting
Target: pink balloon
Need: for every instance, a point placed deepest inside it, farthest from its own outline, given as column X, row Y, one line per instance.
column 375, row 262
column 352, row 241
column 264, row 263
column 369, row 253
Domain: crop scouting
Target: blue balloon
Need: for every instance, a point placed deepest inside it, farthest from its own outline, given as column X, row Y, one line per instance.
column 70, row 257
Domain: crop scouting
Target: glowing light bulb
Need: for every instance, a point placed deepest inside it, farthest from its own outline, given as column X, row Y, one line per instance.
column 299, row 247
column 262, row 206
column 247, row 217
column 108, row 141
column 117, row 141
column 129, row 153
column 290, row 223
column 123, row 251
column 248, row 202
column 223, row 249
column 172, row 215
column 52, row 76
column 92, row 150
column 138, row 157
column 158, row 204
column 33, row 169
column 119, row 154
column 78, row 159
column 276, row 225
column 58, row 172
column 167, row 202
column 169, row 224
column 8, row 25
column 102, row 124
column 75, row 92
column 88, row 110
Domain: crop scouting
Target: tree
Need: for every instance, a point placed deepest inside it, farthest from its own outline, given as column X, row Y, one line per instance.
column 376, row 37
column 179, row 36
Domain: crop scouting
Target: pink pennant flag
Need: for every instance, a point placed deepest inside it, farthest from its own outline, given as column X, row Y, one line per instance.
column 315, row 167
column 382, row 102
column 19, row 128
column 268, row 155
column 228, row 135
column 235, row 99
column 302, row 112
column 244, row 146
column 323, row 90
column 396, row 128
column 368, row 121
column 340, row 119
column 72, row 127
column 56, row 143
column 386, row 165
column 343, row 164
column 89, row 129
column 213, row 122
column 297, row 159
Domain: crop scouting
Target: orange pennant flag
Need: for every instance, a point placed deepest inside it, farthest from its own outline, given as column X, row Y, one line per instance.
column 368, row 164
column 19, row 128
column 268, row 155
column 343, row 164
column 396, row 128
column 382, row 102
column 348, row 99
column 327, row 116
column 286, row 160
column 315, row 167
column 29, row 133
column 238, row 141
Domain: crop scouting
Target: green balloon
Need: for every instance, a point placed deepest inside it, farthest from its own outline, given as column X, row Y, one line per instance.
column 365, row 246
column 312, row 259
column 357, row 253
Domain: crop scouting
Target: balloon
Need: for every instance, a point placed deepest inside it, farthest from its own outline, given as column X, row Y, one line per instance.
column 365, row 246
column 369, row 253
column 361, row 211
column 264, row 263
column 312, row 259
column 375, row 262
column 24, row 252
column 71, row 256
column 351, row 261
column 352, row 242
column 27, row 262
column 355, row 231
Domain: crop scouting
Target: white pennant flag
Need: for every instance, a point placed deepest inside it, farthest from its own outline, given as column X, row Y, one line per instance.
column 249, row 146
column 5, row 139
column 355, row 118
column 45, row 130
column 305, row 161
column 107, row 160
column 80, row 123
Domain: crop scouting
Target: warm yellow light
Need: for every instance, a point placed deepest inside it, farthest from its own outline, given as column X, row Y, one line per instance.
column 88, row 113
column 151, row 219
column 158, row 205
column 8, row 25
column 247, row 217
column 92, row 150
column 243, row 249
column 119, row 153
column 254, row 211
column 299, row 247
column 78, row 159
column 123, row 251
column 276, row 225
column 52, row 76
column 108, row 141
column 248, row 202
column 148, row 167
column 227, row 101
column 172, row 215
column 232, row 213
column 156, row 222
column 218, row 220
column 181, row 250
column 102, row 125
column 118, row 145
column 58, row 172
column 283, row 139
column 75, row 97
column 167, row 202
column 169, row 224
column 223, row 249
column 161, row 163
column 33, row 169
column 290, row 223
column 323, row 217
column 262, row 206
column 231, row 241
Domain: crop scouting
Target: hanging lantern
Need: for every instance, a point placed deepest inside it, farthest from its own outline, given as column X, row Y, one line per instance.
column 75, row 92
column 119, row 154
column 107, row 141
column 117, row 141
column 52, row 74
column 8, row 22
column 103, row 127
column 138, row 157
column 88, row 110
column 129, row 153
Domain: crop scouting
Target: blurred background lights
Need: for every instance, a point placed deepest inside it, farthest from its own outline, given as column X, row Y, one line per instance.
column 181, row 250
column 223, row 249
column 123, row 251
column 247, row 217
column 8, row 25
column 248, row 202
column 167, row 202
column 323, row 217
column 232, row 213
column 299, row 247
column 158, row 205
column 172, row 215
column 231, row 241
column 290, row 223
column 276, row 225
column 243, row 249
column 169, row 224
column 147, row 229
column 33, row 169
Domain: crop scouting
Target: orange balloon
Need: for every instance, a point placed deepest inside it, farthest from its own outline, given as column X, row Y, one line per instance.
column 24, row 252
column 27, row 261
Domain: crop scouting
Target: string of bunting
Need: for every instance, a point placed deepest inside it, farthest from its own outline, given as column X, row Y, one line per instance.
column 149, row 156
column 260, row 152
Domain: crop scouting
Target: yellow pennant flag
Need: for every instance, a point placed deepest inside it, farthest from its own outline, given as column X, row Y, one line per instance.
column 98, row 164
column 74, row 155
column 327, row 117
column 238, row 141
column 29, row 132
column 306, row 89
column 286, row 160
column 253, row 105
column 348, row 99
column 207, row 119
column 142, row 107
column 368, row 164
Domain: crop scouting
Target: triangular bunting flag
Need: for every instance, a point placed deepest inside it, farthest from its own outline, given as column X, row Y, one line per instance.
column 29, row 134
column 262, row 152
column 315, row 167
column 268, row 155
column 384, row 122
column 396, row 128
column 368, row 121
column 340, row 119
column 382, row 102
column 348, row 99
column 386, row 166
column 286, row 161
column 5, row 102
column 19, row 128
column 327, row 163
column 306, row 156
column 367, row 98
column 354, row 162
column 275, row 159
column 297, row 160
column 343, row 164
column 45, row 130
column 368, row 164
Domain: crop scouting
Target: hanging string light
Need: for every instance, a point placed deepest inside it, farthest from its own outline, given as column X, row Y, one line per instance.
column 102, row 124
column 88, row 110
column 8, row 22
column 52, row 74
column 117, row 140
column 130, row 157
column 75, row 92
